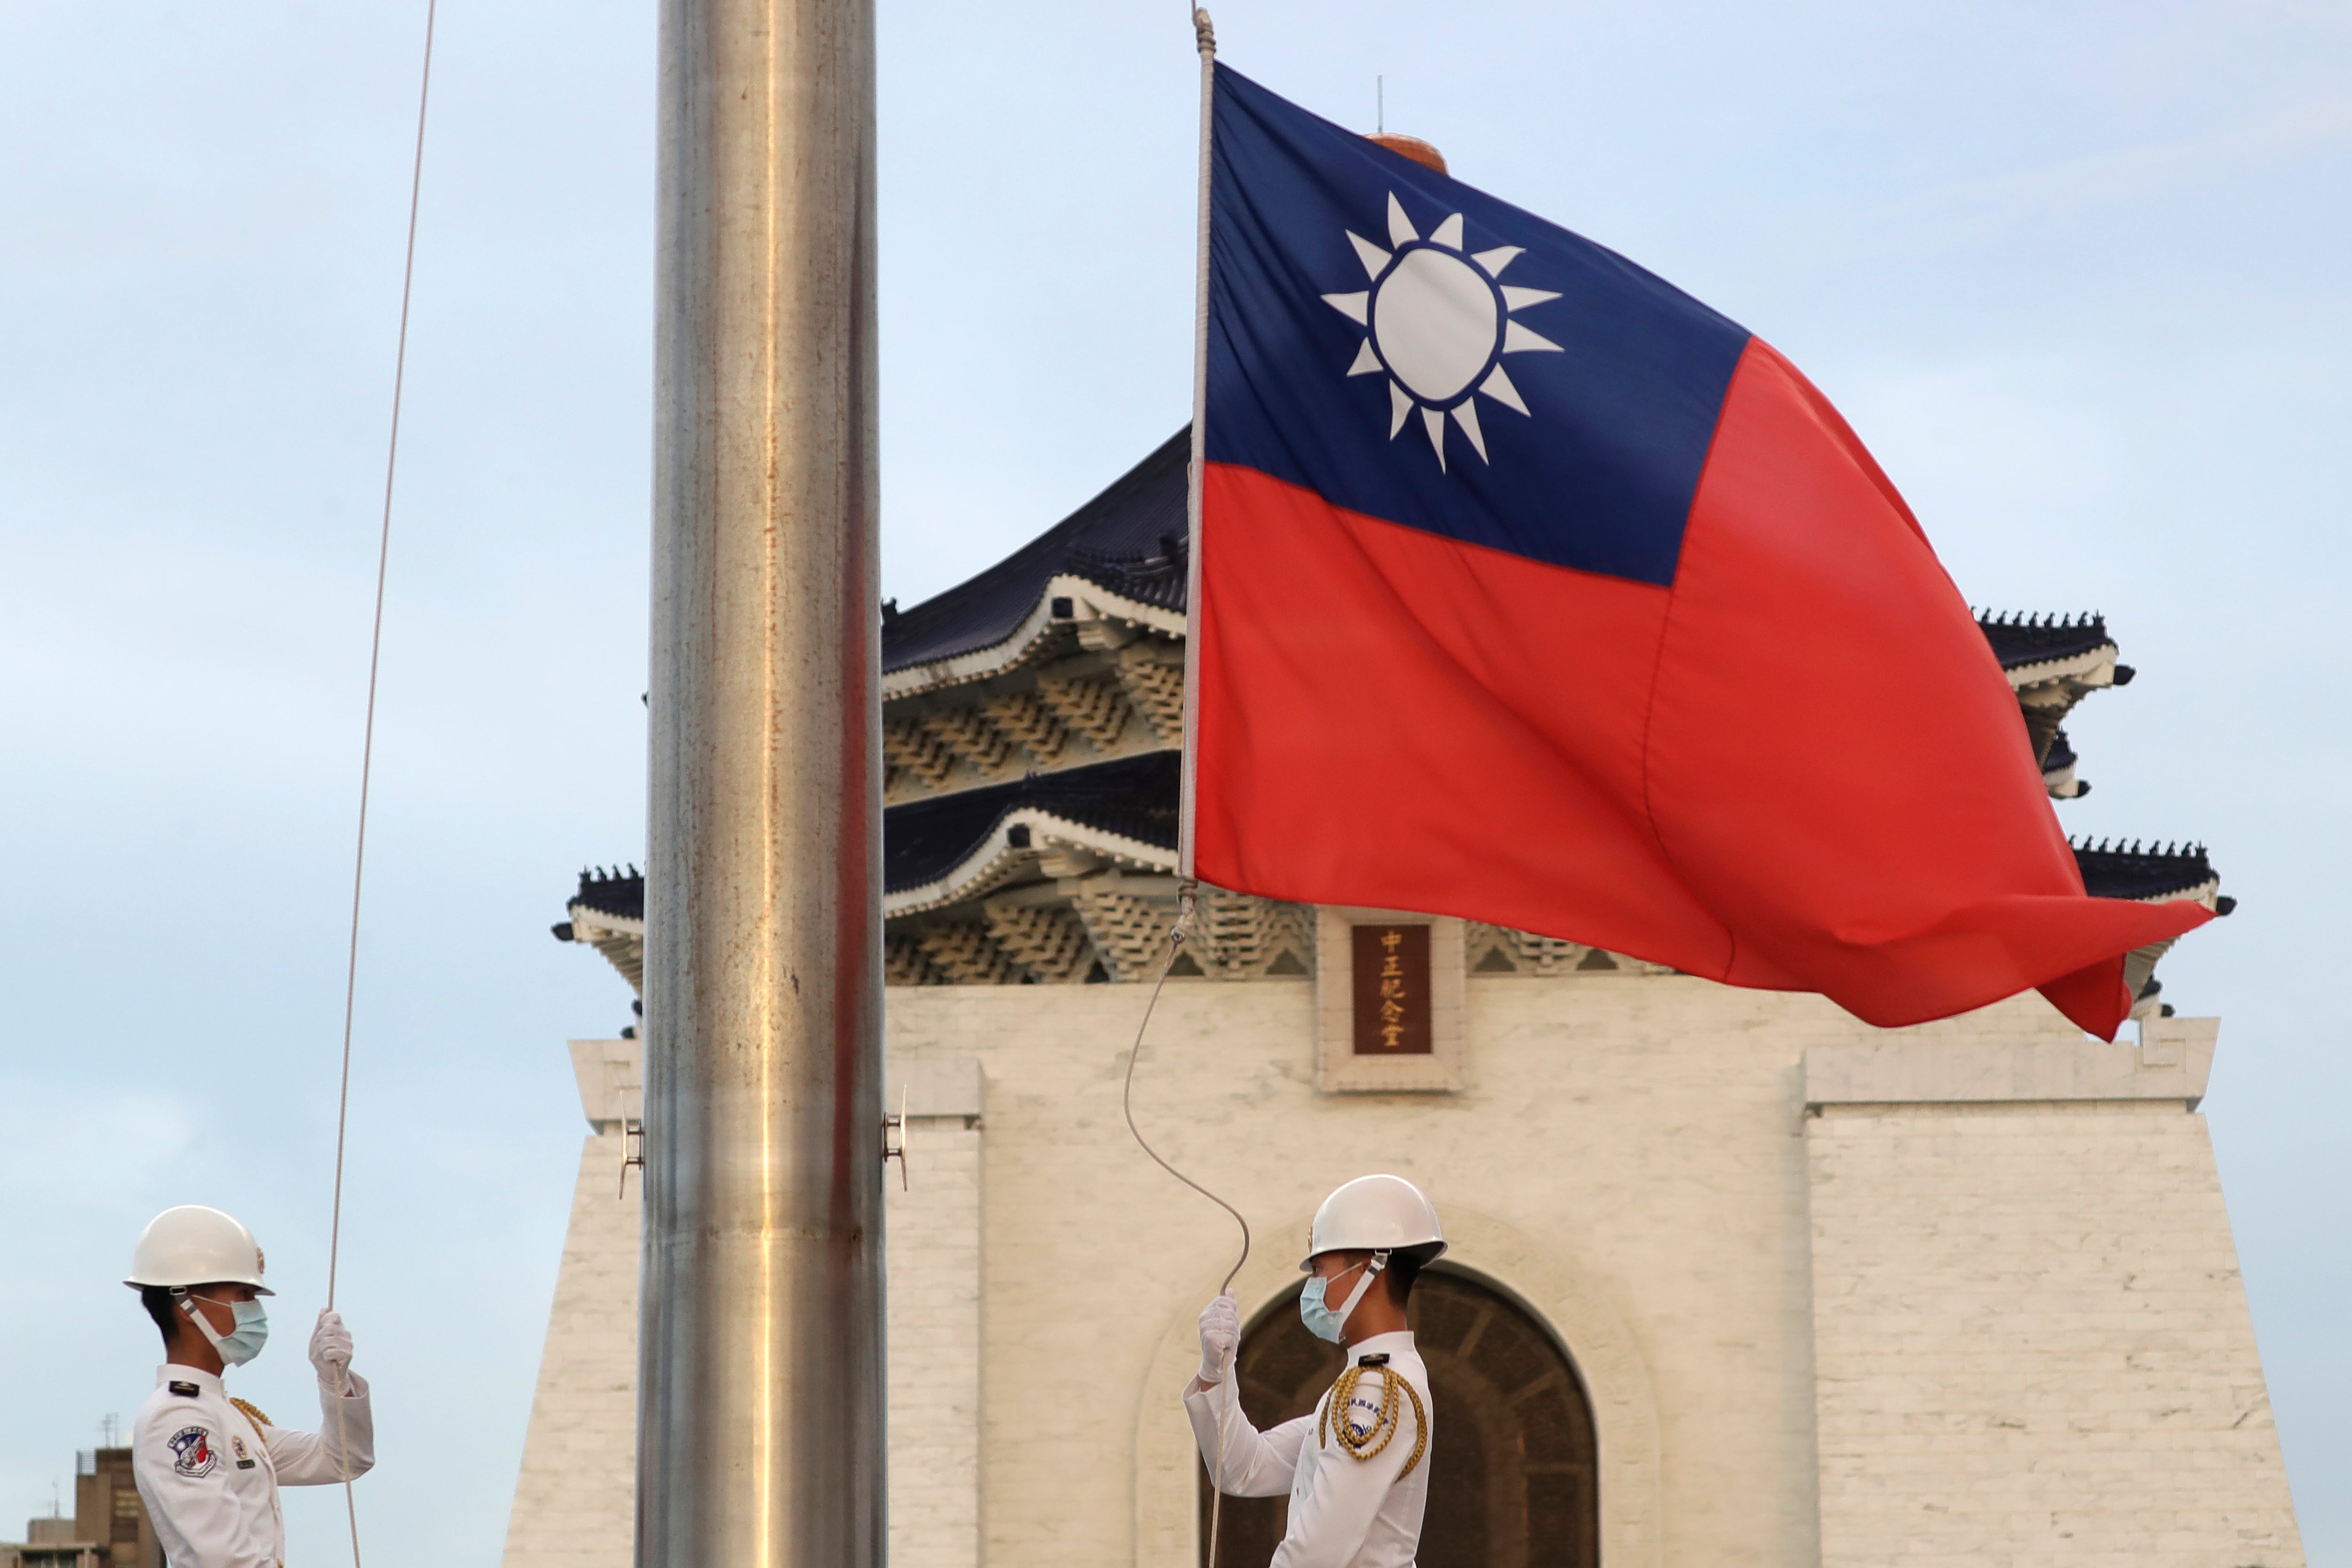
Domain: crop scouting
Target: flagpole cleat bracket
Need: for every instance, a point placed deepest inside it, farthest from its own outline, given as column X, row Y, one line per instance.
column 632, row 1128
column 896, row 1151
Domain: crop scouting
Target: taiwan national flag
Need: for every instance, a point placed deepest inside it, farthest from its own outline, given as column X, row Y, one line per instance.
column 1530, row 589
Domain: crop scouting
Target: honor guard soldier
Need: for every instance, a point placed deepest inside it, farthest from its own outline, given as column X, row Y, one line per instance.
column 208, row 1465
column 1357, row 1470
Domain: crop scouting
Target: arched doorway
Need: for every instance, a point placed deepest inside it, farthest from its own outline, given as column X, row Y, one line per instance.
column 1513, row 1480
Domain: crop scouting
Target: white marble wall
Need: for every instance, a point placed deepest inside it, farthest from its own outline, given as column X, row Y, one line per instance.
column 2031, row 1343
column 934, row 1267
column 575, row 1499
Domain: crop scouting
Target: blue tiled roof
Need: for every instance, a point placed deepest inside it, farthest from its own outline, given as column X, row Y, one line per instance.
column 2031, row 639
column 1134, row 797
column 2117, row 870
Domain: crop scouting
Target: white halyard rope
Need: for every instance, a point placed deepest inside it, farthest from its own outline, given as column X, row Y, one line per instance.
column 367, row 752
column 1186, row 905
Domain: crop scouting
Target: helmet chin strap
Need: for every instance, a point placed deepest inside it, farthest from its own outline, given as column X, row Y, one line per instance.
column 1378, row 1261
column 212, row 1336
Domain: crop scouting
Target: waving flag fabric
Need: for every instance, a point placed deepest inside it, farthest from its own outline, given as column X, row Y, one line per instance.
column 1533, row 591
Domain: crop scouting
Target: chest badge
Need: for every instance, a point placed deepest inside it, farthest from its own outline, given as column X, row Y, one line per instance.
column 191, row 1451
column 236, row 1447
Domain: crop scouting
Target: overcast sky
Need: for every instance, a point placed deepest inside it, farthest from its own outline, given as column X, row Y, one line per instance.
column 2076, row 274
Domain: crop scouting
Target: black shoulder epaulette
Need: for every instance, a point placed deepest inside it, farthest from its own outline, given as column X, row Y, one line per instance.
column 184, row 1390
column 1380, row 1359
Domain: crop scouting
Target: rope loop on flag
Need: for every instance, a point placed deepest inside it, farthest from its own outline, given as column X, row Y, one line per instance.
column 1187, row 909
column 1204, row 32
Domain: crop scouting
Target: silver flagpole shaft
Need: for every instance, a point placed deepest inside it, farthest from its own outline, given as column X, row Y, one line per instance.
column 760, row 1417
column 1204, row 39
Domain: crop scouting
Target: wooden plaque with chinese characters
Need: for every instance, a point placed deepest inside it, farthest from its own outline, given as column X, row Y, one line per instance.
column 1392, row 990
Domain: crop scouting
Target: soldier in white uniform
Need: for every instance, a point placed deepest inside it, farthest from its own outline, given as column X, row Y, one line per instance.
column 1357, row 1468
column 208, row 1465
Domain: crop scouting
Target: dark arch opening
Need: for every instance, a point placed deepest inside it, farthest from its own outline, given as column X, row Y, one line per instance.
column 1513, row 1478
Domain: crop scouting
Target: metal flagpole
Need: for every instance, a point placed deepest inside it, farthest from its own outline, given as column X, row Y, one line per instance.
column 1204, row 39
column 760, row 1415
column 1204, row 36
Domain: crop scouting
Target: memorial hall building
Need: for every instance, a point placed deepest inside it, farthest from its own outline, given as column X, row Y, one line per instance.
column 1733, row 1278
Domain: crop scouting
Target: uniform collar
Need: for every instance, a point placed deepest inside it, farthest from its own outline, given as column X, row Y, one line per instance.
column 1398, row 1342
column 172, row 1372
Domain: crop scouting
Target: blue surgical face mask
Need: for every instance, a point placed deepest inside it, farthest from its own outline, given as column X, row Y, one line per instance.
column 243, row 1342
column 1322, row 1321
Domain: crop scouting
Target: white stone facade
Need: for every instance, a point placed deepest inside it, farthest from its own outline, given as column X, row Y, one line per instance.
column 933, row 1212
column 1959, row 1293
column 575, row 1500
column 2030, row 1343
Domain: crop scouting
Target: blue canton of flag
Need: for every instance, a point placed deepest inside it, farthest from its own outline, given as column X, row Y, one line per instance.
column 1414, row 349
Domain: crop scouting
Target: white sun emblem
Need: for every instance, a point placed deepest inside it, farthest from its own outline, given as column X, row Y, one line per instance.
column 1440, row 326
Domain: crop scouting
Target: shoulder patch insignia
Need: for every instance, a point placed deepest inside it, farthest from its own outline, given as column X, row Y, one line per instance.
column 183, row 1390
column 251, row 1412
column 191, row 1450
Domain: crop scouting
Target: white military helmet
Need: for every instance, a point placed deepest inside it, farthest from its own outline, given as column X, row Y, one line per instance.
column 1375, row 1213
column 193, row 1245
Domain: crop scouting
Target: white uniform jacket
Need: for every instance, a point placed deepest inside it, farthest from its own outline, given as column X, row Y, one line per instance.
column 1345, row 1513
column 210, row 1474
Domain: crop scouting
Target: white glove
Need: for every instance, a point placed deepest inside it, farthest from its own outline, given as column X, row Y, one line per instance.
column 331, row 1351
column 1221, row 1330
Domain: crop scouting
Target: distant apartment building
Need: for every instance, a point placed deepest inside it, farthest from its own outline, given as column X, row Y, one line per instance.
column 109, row 1526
